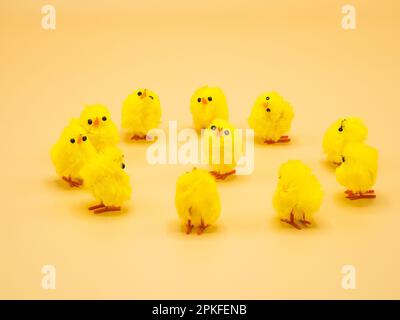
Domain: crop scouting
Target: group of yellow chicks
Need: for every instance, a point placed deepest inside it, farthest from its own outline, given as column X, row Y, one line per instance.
column 87, row 154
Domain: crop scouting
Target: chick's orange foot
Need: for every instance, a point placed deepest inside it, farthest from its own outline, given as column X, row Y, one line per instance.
column 222, row 176
column 189, row 227
column 291, row 222
column 138, row 137
column 101, row 208
column 202, row 227
column 282, row 139
column 370, row 194
column 72, row 183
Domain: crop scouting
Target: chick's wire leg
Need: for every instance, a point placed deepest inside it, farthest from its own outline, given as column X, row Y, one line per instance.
column 189, row 227
column 369, row 194
column 304, row 220
column 202, row 227
column 225, row 175
column 97, row 206
column 291, row 221
column 72, row 183
column 107, row 209
column 138, row 137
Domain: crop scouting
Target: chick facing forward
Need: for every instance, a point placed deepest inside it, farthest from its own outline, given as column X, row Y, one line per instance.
column 141, row 112
column 222, row 148
column 358, row 171
column 197, row 200
column 271, row 118
column 340, row 133
column 71, row 152
column 298, row 195
column 108, row 182
column 103, row 132
column 206, row 104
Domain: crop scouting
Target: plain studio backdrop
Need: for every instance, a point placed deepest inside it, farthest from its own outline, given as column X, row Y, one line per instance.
column 101, row 51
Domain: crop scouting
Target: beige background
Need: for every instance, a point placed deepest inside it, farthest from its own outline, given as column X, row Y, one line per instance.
column 100, row 51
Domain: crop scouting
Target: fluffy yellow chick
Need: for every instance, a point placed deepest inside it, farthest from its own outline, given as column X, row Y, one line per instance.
column 223, row 150
column 72, row 150
column 358, row 170
column 102, row 131
column 298, row 194
column 141, row 112
column 207, row 104
column 108, row 182
column 197, row 200
column 271, row 117
column 340, row 133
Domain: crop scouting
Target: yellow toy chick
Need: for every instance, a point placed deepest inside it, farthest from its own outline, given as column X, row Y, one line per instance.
column 71, row 152
column 197, row 200
column 207, row 104
column 141, row 112
column 108, row 182
column 96, row 119
column 271, row 117
column 222, row 147
column 340, row 133
column 358, row 171
column 298, row 194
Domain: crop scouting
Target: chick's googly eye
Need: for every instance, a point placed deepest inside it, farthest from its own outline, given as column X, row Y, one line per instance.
column 213, row 127
column 151, row 97
column 139, row 93
column 340, row 129
column 268, row 110
column 267, row 98
column 198, row 99
column 343, row 159
column 226, row 132
column 72, row 140
column 123, row 165
column 104, row 118
column 89, row 122
column 84, row 138
column 209, row 99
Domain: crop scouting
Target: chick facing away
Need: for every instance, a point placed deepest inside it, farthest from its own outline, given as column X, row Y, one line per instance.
column 206, row 104
column 298, row 195
column 106, row 179
column 343, row 131
column 222, row 148
column 358, row 171
column 271, row 118
column 102, row 131
column 71, row 152
column 141, row 112
column 197, row 200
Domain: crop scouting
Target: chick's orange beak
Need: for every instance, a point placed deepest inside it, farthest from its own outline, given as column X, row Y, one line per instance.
column 144, row 94
column 96, row 122
column 265, row 104
column 79, row 141
column 204, row 101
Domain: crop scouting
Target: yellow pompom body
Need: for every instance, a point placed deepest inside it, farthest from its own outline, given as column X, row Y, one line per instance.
column 72, row 151
column 107, row 181
column 271, row 117
column 343, row 131
column 197, row 198
column 222, row 148
column 298, row 192
column 141, row 112
column 359, row 167
column 103, row 132
column 207, row 104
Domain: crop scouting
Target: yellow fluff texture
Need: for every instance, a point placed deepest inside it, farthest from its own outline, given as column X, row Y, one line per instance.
column 96, row 119
column 141, row 112
column 71, row 152
column 343, row 131
column 298, row 192
column 207, row 104
column 223, row 149
column 107, row 181
column 197, row 199
column 271, row 117
column 359, row 167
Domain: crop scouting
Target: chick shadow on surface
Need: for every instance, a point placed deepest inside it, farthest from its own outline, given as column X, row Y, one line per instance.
column 328, row 166
column 178, row 229
column 341, row 200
